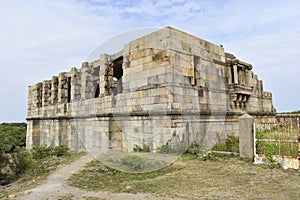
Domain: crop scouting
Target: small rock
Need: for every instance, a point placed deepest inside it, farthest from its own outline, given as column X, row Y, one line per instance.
column 128, row 187
column 11, row 196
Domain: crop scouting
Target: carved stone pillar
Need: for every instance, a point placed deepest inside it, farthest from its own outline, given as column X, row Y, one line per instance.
column 241, row 76
column 250, row 84
column 54, row 90
column 86, row 82
column 233, row 101
column 103, row 65
column 75, row 84
column 229, row 75
column 243, row 72
column 239, row 101
column 46, row 93
column 245, row 99
column 62, row 88
column 235, row 74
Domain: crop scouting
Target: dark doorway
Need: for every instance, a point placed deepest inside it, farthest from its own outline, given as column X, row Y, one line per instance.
column 118, row 70
column 118, row 73
column 97, row 91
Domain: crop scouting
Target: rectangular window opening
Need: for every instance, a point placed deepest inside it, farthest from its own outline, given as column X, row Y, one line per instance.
column 69, row 89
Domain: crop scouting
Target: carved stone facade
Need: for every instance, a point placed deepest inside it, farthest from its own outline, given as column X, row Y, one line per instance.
column 164, row 84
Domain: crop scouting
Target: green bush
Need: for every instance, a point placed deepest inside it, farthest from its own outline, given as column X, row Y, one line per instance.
column 198, row 151
column 144, row 148
column 169, row 148
column 34, row 162
column 62, row 150
column 134, row 162
column 194, row 149
column 11, row 134
column 42, row 152
column 220, row 147
column 231, row 144
column 21, row 162
column 4, row 161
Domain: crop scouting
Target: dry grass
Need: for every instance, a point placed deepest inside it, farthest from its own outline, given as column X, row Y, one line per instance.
column 72, row 197
column 220, row 178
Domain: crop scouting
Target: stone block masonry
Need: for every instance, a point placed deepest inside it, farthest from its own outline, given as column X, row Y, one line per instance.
column 163, row 84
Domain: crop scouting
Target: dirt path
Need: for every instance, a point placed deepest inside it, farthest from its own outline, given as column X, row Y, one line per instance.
column 55, row 187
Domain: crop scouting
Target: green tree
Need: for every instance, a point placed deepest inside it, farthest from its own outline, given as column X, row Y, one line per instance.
column 11, row 134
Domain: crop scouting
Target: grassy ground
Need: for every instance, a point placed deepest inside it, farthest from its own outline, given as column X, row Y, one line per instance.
column 217, row 178
column 136, row 161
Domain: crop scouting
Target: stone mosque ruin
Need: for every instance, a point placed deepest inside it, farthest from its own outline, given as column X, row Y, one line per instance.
column 163, row 85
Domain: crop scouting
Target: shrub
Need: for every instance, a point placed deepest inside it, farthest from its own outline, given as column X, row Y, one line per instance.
column 34, row 162
column 134, row 162
column 198, row 151
column 11, row 134
column 231, row 144
column 194, row 149
column 61, row 150
column 144, row 148
column 168, row 148
column 21, row 162
column 220, row 147
column 42, row 152
column 4, row 161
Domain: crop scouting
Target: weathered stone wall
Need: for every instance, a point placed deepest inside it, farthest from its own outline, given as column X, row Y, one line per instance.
column 288, row 119
column 164, row 83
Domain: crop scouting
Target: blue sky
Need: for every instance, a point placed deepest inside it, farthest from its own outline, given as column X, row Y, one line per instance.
column 40, row 38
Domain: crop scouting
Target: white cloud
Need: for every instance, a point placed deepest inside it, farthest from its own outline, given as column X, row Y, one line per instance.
column 41, row 38
column 38, row 40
